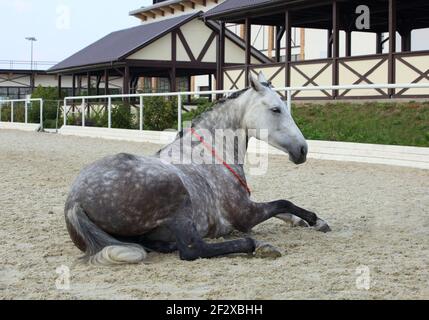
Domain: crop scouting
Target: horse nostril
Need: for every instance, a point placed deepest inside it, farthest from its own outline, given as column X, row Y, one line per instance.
column 304, row 151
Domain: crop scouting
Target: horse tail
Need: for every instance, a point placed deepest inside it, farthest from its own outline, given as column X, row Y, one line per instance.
column 101, row 248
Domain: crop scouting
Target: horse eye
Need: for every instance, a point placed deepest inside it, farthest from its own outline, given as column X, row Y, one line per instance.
column 276, row 110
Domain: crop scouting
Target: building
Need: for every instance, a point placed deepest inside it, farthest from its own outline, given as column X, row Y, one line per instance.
column 170, row 50
column 18, row 79
column 388, row 65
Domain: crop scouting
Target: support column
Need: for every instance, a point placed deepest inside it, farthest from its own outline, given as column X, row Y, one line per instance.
column 60, row 94
column 73, row 85
column 189, row 98
column 302, row 51
column 379, row 43
column 106, row 82
column 348, row 43
column 97, row 87
column 270, row 42
column 288, row 30
column 211, row 86
column 32, row 81
column 220, row 53
column 248, row 41
column 88, row 83
column 406, row 40
column 279, row 35
column 335, row 45
column 173, row 71
column 173, row 83
column 392, row 43
column 329, row 44
column 126, row 80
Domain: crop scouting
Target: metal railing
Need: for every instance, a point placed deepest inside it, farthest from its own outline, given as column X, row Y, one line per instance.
column 141, row 97
column 24, row 65
column 26, row 103
column 288, row 90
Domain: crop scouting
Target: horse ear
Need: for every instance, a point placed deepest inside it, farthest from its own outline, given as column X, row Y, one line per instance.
column 261, row 77
column 255, row 84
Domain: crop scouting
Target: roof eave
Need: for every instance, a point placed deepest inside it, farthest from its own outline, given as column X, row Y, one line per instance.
column 155, row 6
column 76, row 69
column 240, row 11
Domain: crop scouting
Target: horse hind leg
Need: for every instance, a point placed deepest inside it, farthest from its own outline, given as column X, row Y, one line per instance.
column 100, row 248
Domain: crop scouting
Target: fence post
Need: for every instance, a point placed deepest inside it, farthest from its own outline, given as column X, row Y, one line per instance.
column 83, row 112
column 11, row 112
column 179, row 117
column 26, row 111
column 109, row 113
column 289, row 100
column 141, row 113
column 41, row 113
column 65, row 113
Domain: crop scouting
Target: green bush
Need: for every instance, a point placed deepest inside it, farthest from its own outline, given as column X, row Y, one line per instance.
column 122, row 117
column 50, row 107
column 160, row 113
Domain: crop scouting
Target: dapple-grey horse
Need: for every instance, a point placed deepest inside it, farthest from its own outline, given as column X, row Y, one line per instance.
column 123, row 206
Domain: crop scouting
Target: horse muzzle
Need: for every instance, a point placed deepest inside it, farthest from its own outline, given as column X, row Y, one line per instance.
column 299, row 155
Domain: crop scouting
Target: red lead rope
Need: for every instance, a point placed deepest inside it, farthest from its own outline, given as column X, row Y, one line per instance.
column 226, row 165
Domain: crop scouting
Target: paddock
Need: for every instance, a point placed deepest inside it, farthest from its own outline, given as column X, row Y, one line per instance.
column 379, row 215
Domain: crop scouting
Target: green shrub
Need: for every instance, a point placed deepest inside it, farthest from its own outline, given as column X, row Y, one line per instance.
column 160, row 113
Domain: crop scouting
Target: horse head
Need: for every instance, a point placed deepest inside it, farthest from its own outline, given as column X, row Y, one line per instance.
column 265, row 110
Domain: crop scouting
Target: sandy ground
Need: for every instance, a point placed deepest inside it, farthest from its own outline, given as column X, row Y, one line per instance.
column 379, row 216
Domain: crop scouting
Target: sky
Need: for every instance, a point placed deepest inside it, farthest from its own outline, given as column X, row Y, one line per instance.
column 62, row 27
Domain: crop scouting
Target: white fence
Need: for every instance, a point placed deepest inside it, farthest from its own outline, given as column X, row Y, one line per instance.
column 26, row 105
column 288, row 90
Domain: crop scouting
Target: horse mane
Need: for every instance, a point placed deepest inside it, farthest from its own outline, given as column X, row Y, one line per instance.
column 197, row 120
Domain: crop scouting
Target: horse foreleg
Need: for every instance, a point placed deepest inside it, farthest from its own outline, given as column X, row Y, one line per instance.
column 192, row 247
column 286, row 211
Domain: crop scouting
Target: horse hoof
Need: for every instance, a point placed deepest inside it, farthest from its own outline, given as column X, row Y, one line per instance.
column 322, row 226
column 267, row 251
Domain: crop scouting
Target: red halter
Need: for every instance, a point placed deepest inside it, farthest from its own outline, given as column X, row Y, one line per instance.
column 226, row 165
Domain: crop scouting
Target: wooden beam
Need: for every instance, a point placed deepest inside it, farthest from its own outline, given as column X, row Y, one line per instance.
column 406, row 41
column 200, row 2
column 242, row 31
column 167, row 9
column 60, row 94
column 270, row 41
column 106, row 82
column 288, row 60
column 335, row 44
column 148, row 14
column 392, row 43
column 248, row 41
column 126, row 80
column 302, row 48
column 88, row 83
column 379, row 43
column 157, row 12
column 189, row 4
column 142, row 17
column 73, row 85
column 279, row 35
column 178, row 7
column 348, row 43
column 329, row 43
column 173, row 70
column 220, row 57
